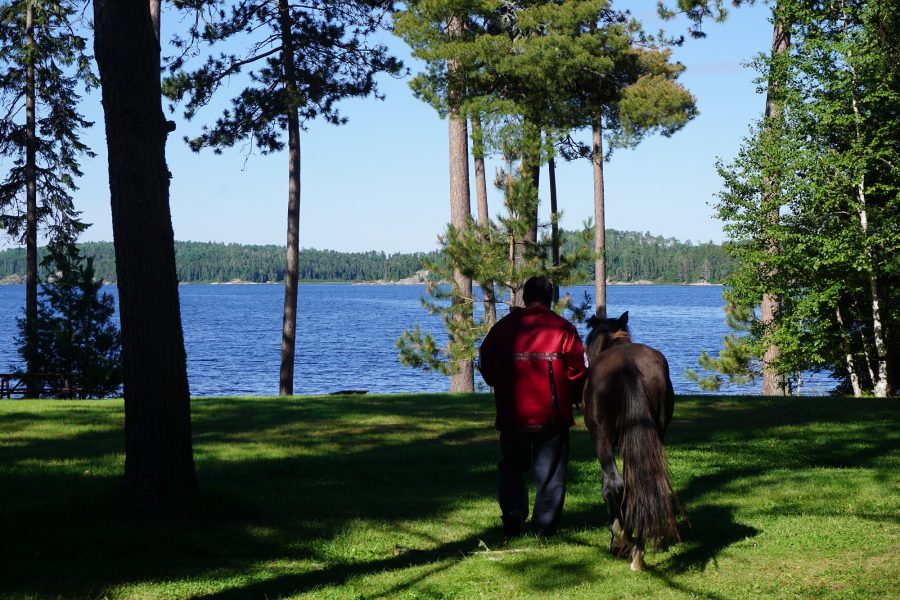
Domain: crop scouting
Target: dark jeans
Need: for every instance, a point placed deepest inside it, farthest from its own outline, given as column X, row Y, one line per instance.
column 547, row 454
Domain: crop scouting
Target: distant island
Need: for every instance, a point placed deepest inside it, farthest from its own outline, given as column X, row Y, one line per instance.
column 632, row 257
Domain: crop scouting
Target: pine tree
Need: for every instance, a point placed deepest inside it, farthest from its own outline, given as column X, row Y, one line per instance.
column 43, row 61
column 301, row 60
column 526, row 73
column 73, row 333
column 159, row 464
column 485, row 253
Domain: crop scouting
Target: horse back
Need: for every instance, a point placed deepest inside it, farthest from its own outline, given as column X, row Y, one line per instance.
column 617, row 366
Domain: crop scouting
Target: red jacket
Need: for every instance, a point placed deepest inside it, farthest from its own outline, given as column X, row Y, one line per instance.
column 518, row 356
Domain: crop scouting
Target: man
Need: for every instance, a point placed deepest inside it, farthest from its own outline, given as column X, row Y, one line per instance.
column 534, row 360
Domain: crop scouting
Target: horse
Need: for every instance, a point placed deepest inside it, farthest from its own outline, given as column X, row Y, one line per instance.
column 628, row 403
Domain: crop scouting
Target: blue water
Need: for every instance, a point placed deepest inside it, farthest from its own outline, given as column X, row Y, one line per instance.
column 347, row 335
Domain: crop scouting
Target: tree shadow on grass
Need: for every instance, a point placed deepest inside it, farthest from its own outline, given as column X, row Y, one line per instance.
column 438, row 559
column 549, row 575
column 319, row 469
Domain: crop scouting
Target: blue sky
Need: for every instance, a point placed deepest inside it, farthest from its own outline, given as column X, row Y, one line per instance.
column 381, row 181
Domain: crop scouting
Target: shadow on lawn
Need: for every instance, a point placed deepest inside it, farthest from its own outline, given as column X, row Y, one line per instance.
column 324, row 463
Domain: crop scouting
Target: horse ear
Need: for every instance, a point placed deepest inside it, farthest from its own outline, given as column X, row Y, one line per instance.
column 623, row 320
column 592, row 321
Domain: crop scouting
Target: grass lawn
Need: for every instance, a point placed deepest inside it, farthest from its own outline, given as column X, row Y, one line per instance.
column 394, row 496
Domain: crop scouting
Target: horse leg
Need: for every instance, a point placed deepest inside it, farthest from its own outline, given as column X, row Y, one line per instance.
column 637, row 557
column 612, row 489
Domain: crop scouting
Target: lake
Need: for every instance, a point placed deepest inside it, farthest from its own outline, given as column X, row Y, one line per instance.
column 347, row 335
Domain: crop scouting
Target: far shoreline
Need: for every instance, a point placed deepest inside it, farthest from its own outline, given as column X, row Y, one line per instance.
column 15, row 282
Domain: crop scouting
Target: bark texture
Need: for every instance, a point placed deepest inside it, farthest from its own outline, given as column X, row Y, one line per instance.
column 159, row 466
column 291, row 279
column 599, row 219
column 531, row 168
column 490, row 302
column 30, row 187
column 554, row 226
column 848, row 357
column 463, row 378
column 880, row 382
column 774, row 383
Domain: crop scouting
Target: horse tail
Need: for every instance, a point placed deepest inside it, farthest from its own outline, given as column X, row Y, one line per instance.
column 648, row 491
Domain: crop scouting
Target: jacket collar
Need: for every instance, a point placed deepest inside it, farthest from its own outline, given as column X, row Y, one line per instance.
column 531, row 310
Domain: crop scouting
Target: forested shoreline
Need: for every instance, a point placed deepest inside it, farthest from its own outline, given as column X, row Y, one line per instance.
column 631, row 257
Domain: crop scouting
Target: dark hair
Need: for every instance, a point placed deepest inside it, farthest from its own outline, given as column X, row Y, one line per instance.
column 538, row 289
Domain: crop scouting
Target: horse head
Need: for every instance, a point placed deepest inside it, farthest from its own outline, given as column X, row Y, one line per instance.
column 605, row 333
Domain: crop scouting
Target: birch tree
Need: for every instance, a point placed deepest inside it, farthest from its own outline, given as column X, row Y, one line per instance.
column 837, row 151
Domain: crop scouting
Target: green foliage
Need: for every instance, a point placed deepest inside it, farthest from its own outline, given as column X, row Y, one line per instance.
column 825, row 241
column 735, row 360
column 529, row 73
column 328, row 59
column 210, row 262
column 631, row 257
column 61, row 67
column 498, row 255
column 550, row 65
column 634, row 256
column 74, row 333
column 698, row 11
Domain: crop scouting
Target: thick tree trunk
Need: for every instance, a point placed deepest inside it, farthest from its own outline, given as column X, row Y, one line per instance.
column 774, row 383
column 599, row 219
column 554, row 225
column 30, row 191
column 291, row 279
column 463, row 378
column 154, row 16
column 159, row 465
column 487, row 291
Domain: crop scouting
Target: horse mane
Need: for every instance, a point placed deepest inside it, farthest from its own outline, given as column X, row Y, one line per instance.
column 600, row 338
column 620, row 337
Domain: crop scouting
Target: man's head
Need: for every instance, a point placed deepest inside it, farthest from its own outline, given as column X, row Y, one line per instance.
column 538, row 290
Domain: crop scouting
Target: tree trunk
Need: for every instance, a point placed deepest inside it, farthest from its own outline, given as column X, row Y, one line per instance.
column 531, row 168
column 880, row 380
column 848, row 356
column 159, row 465
column 599, row 219
column 774, row 383
column 487, row 287
column 554, row 226
column 463, row 377
column 154, row 16
column 30, row 193
column 291, row 276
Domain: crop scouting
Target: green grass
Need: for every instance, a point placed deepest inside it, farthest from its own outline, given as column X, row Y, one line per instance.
column 394, row 496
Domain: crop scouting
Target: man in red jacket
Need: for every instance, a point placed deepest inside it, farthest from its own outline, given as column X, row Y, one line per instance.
column 534, row 360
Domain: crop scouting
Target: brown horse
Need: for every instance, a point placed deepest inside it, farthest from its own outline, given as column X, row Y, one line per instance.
column 628, row 402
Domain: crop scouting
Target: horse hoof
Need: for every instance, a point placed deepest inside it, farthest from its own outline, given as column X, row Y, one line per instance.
column 637, row 561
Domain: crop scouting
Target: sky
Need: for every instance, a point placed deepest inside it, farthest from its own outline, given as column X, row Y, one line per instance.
column 381, row 182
